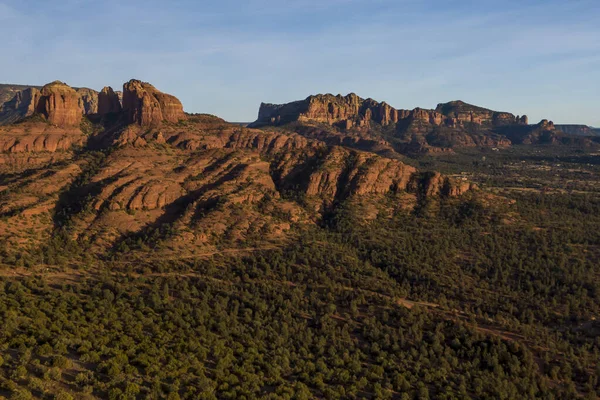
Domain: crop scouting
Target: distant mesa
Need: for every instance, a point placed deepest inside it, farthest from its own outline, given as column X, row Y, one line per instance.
column 351, row 111
column 580, row 130
column 376, row 126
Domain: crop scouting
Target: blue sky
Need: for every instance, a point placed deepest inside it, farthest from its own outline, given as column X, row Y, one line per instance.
column 540, row 58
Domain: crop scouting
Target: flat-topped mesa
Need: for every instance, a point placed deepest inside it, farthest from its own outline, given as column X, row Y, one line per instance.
column 458, row 113
column 580, row 130
column 147, row 106
column 347, row 111
column 59, row 104
column 108, row 101
column 352, row 111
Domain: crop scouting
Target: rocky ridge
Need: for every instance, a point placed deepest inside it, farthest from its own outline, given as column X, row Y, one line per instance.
column 57, row 102
column 352, row 111
column 581, row 130
column 24, row 101
column 8, row 91
column 22, row 105
column 201, row 177
column 374, row 126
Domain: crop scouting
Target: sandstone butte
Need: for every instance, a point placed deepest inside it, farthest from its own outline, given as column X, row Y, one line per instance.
column 352, row 111
column 108, row 101
column 147, row 106
column 63, row 106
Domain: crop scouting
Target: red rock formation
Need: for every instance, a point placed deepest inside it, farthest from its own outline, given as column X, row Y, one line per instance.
column 432, row 184
column 108, row 101
column 88, row 101
column 21, row 106
column 352, row 111
column 30, row 137
column 546, row 125
column 59, row 104
column 147, row 106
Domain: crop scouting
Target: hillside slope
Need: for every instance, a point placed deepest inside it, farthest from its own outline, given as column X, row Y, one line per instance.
column 109, row 179
column 146, row 253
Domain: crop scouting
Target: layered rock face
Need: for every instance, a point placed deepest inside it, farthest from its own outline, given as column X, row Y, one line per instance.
column 38, row 137
column 8, row 91
column 147, row 106
column 57, row 100
column 378, row 127
column 59, row 103
column 88, row 101
column 580, row 130
column 457, row 113
column 207, row 179
column 63, row 106
column 346, row 111
column 23, row 105
column 108, row 101
column 352, row 111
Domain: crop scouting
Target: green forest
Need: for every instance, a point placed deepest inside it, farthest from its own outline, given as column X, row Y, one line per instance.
column 458, row 299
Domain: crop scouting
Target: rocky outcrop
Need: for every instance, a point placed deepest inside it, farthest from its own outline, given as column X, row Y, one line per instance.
column 59, row 104
column 545, row 132
column 21, row 106
column 147, row 106
column 328, row 172
column 342, row 173
column 88, row 101
column 453, row 124
column 108, row 101
column 352, row 111
column 38, row 137
column 579, row 130
column 346, row 111
column 9, row 91
column 433, row 183
column 459, row 113
column 217, row 180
